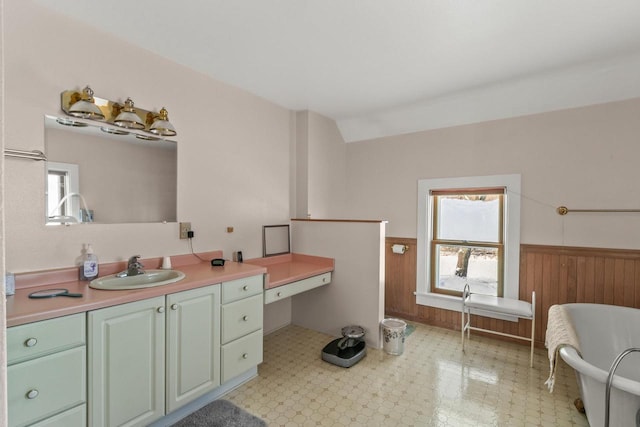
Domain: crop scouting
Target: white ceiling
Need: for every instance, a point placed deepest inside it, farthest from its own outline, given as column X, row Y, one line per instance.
column 385, row 67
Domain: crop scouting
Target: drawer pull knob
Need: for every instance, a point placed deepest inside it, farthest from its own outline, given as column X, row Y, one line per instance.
column 245, row 288
column 245, row 317
column 245, row 356
column 174, row 306
column 160, row 309
column 324, row 279
column 32, row 394
column 279, row 294
column 31, row 342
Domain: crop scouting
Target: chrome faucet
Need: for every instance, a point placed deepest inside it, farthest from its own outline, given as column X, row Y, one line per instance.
column 134, row 267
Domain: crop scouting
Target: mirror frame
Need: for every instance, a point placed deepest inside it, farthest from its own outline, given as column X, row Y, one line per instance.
column 276, row 240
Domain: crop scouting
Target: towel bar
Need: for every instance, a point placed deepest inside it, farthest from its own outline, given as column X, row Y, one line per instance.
column 23, row 154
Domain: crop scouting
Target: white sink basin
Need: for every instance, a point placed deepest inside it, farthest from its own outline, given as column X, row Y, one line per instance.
column 149, row 279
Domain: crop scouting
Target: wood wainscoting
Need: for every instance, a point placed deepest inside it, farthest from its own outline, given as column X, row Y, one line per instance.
column 558, row 275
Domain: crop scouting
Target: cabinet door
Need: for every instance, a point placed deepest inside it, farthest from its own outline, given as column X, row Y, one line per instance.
column 193, row 344
column 126, row 363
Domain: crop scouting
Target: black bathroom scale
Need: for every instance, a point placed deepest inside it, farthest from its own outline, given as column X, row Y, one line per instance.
column 345, row 358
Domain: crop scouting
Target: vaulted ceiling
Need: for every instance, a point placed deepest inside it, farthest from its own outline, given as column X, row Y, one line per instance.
column 385, row 67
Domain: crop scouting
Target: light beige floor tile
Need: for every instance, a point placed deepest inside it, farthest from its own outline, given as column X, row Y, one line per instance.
column 432, row 384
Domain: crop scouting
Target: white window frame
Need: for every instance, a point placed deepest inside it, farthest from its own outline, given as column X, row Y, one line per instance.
column 424, row 296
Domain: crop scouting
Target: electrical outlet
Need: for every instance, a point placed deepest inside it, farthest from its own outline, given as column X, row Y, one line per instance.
column 185, row 227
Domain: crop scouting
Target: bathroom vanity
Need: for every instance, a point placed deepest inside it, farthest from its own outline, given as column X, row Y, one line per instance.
column 130, row 357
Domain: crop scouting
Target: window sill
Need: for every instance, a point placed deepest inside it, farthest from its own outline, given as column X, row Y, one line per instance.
column 452, row 303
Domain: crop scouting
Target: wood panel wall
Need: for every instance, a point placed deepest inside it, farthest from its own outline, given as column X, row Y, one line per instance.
column 558, row 275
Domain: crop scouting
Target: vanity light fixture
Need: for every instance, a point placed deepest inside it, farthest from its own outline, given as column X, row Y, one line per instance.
column 147, row 137
column 69, row 122
column 85, row 107
column 113, row 131
column 161, row 125
column 128, row 118
column 117, row 119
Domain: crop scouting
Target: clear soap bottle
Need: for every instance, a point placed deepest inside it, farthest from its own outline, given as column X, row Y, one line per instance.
column 89, row 265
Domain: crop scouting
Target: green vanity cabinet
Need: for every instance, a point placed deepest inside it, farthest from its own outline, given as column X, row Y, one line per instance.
column 131, row 364
column 193, row 345
column 46, row 372
column 242, row 311
column 150, row 357
column 126, row 348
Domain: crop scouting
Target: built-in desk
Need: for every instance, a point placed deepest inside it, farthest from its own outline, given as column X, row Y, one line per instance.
column 291, row 274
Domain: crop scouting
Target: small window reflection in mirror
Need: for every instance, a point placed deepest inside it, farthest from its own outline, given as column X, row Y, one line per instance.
column 62, row 180
column 275, row 240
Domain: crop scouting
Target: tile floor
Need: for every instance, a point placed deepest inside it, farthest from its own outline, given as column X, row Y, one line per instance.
column 431, row 384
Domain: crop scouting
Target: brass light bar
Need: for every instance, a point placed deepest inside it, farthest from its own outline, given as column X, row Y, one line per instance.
column 111, row 110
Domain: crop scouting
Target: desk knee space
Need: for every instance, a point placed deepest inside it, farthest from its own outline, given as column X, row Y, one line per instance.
column 497, row 305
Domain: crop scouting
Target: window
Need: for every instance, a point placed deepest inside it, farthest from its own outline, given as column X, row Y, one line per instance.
column 468, row 232
column 62, row 180
column 467, row 244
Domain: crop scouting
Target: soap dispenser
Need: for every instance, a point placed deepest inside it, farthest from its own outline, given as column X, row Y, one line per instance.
column 89, row 265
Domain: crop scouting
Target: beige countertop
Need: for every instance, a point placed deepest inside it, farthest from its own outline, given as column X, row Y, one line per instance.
column 20, row 309
column 284, row 269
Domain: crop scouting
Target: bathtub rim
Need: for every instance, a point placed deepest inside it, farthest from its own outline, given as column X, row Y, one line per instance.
column 572, row 358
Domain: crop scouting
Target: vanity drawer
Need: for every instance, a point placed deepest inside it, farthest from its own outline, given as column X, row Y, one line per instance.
column 46, row 386
column 286, row 291
column 234, row 290
column 76, row 417
column 241, row 317
column 32, row 340
column 241, row 355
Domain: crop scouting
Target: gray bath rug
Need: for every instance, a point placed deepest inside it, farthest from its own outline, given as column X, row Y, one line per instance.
column 220, row 413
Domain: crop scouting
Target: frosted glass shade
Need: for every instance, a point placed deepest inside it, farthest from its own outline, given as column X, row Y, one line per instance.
column 128, row 118
column 162, row 126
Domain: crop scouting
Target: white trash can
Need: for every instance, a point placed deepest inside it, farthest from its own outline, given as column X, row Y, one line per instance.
column 393, row 336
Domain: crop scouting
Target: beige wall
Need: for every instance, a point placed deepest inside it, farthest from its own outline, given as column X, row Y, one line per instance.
column 327, row 168
column 320, row 167
column 355, row 295
column 580, row 158
column 233, row 155
column 301, row 176
column 3, row 344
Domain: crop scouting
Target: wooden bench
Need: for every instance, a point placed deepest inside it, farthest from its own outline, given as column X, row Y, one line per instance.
column 497, row 305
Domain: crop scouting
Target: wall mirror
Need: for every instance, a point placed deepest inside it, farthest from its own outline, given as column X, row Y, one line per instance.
column 275, row 240
column 94, row 175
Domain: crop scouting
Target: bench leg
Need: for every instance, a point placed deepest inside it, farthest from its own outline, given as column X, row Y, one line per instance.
column 465, row 324
column 533, row 325
column 533, row 329
column 462, row 328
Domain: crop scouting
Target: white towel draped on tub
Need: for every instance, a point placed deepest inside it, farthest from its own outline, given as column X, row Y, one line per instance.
column 560, row 332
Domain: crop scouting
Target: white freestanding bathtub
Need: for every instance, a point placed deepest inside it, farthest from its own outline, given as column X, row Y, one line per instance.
column 604, row 331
